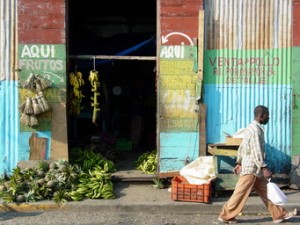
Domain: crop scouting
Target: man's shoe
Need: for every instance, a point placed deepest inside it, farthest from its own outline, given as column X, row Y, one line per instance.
column 231, row 221
column 287, row 216
column 278, row 221
column 290, row 215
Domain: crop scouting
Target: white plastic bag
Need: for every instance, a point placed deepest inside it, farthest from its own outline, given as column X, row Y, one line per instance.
column 275, row 194
column 200, row 171
column 240, row 133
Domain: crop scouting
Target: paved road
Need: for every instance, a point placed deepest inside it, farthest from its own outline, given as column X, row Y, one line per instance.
column 137, row 204
column 67, row 217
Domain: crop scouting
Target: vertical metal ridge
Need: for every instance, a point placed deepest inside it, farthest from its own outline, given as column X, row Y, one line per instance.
column 9, row 119
column 248, row 24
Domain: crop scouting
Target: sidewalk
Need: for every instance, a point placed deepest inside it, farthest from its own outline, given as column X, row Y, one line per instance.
column 142, row 196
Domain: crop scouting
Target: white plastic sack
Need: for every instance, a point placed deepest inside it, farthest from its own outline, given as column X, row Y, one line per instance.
column 275, row 194
column 240, row 133
column 200, row 171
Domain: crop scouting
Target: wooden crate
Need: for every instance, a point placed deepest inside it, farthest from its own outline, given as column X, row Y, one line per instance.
column 222, row 149
column 233, row 141
column 225, row 158
column 182, row 190
column 226, row 179
column 224, row 164
column 225, row 182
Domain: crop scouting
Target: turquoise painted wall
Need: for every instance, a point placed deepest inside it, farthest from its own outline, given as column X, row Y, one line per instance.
column 9, row 126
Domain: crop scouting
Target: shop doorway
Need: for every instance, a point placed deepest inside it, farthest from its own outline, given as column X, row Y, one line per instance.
column 118, row 40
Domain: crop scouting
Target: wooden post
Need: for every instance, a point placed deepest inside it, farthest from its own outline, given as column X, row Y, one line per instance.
column 37, row 147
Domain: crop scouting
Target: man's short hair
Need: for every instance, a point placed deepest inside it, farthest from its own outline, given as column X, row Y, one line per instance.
column 260, row 110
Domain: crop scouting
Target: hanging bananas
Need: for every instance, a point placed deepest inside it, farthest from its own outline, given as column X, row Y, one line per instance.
column 94, row 80
column 76, row 82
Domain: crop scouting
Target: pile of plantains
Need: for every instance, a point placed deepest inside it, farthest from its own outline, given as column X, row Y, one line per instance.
column 87, row 176
column 147, row 162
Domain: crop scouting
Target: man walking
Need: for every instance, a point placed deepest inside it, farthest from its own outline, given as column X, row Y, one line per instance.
column 253, row 171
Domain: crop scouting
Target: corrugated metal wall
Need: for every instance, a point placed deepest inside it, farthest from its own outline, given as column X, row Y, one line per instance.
column 9, row 114
column 296, row 81
column 248, row 24
column 247, row 63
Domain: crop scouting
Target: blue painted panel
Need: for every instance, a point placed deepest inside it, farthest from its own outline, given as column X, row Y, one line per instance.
column 177, row 149
column 24, row 152
column 180, row 139
column 179, row 152
column 9, row 126
column 170, row 165
column 230, row 107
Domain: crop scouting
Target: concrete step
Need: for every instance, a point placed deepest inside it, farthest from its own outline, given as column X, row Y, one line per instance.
column 132, row 175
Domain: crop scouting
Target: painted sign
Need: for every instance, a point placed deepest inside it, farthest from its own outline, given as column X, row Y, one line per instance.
column 176, row 67
column 245, row 67
column 178, row 82
column 52, row 95
column 177, row 88
column 177, row 52
column 45, row 60
column 44, row 125
column 165, row 39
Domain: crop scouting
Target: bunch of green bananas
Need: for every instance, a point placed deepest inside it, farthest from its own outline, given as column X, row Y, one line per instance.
column 95, row 184
column 147, row 162
column 94, row 80
column 88, row 159
column 76, row 196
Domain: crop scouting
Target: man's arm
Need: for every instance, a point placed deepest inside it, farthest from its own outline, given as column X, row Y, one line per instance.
column 257, row 151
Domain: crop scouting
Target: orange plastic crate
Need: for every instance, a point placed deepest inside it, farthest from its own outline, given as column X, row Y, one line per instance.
column 182, row 190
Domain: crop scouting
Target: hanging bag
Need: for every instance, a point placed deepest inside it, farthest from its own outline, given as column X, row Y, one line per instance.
column 275, row 194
